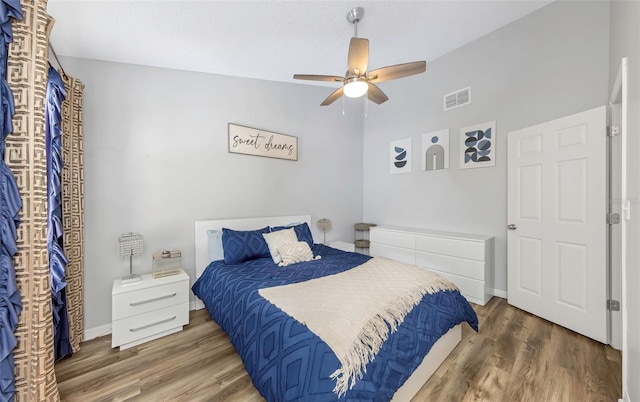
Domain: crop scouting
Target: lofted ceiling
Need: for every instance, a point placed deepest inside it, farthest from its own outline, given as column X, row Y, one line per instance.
column 271, row 40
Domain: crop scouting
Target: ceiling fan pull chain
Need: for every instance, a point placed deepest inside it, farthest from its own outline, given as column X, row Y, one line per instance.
column 343, row 105
column 366, row 107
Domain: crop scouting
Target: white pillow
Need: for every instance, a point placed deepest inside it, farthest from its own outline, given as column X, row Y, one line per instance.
column 214, row 245
column 292, row 253
column 276, row 239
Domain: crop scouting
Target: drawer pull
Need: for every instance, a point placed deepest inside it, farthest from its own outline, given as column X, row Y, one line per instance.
column 151, row 325
column 153, row 300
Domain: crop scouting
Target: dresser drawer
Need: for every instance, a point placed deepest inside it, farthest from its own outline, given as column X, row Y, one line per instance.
column 393, row 253
column 131, row 329
column 472, row 250
column 453, row 265
column 148, row 299
column 392, row 238
column 473, row 290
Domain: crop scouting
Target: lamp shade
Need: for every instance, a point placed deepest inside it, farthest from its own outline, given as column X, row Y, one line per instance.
column 324, row 224
column 130, row 244
column 355, row 87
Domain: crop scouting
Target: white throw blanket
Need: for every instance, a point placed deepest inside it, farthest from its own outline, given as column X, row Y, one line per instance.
column 350, row 310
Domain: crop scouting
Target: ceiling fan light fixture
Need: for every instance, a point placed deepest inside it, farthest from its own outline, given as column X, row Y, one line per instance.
column 358, row 80
column 355, row 87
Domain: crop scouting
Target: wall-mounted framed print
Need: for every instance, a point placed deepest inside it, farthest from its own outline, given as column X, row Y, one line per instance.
column 478, row 145
column 400, row 156
column 253, row 141
column 435, row 150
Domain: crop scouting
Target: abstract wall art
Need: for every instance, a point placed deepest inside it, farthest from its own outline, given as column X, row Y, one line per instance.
column 400, row 156
column 478, row 145
column 435, row 150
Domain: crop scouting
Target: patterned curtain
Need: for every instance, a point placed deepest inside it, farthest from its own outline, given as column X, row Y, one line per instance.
column 10, row 204
column 55, row 247
column 25, row 154
column 73, row 206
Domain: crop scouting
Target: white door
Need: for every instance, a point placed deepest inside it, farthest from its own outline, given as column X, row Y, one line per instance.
column 557, row 266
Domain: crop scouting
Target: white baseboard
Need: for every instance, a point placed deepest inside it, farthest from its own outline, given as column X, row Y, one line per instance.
column 500, row 293
column 626, row 397
column 198, row 304
column 92, row 333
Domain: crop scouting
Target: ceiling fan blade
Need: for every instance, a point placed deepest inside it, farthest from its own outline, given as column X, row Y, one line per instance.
column 397, row 71
column 358, row 56
column 335, row 95
column 312, row 77
column 376, row 95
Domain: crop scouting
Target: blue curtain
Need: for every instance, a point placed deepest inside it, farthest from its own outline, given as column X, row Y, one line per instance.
column 57, row 260
column 10, row 204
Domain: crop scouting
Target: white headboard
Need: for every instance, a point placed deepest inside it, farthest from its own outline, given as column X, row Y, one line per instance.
column 202, row 251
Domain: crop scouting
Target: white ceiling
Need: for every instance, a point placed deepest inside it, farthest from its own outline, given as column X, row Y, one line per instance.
column 271, row 40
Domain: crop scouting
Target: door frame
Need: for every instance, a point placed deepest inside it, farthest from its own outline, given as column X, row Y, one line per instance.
column 618, row 96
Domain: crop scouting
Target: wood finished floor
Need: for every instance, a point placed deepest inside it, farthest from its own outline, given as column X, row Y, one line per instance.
column 515, row 357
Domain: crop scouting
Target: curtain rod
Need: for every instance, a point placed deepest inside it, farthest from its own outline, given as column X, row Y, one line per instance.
column 58, row 61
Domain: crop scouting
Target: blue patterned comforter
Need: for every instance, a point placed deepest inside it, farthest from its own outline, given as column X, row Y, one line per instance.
column 285, row 360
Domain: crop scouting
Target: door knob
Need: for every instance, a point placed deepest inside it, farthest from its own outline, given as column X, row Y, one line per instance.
column 512, row 227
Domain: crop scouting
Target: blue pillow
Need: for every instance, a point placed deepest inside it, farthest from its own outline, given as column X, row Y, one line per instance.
column 240, row 246
column 302, row 232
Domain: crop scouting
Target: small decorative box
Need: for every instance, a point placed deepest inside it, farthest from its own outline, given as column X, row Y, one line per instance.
column 166, row 263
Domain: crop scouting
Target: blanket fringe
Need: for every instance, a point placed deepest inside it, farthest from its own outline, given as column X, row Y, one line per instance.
column 376, row 332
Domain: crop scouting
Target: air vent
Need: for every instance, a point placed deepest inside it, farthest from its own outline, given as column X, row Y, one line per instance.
column 460, row 97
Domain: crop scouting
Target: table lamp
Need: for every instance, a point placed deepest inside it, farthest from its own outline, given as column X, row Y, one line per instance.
column 130, row 244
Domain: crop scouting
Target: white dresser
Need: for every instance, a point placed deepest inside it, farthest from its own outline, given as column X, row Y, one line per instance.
column 148, row 309
column 465, row 259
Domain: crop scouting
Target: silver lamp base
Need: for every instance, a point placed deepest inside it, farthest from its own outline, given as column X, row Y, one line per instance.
column 133, row 278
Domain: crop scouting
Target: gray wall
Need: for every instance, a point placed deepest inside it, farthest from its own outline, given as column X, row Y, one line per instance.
column 156, row 160
column 546, row 65
column 156, row 154
column 625, row 42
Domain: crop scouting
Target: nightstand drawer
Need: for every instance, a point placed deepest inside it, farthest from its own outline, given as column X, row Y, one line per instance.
column 343, row 245
column 148, row 299
column 131, row 329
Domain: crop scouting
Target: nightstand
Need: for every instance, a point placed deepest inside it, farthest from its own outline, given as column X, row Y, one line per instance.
column 148, row 309
column 343, row 245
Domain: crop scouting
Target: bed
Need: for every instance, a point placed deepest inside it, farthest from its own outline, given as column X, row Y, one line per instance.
column 284, row 358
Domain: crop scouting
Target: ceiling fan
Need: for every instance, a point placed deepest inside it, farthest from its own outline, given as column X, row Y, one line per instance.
column 358, row 81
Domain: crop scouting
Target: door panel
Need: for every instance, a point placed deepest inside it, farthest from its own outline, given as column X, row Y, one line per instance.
column 530, row 192
column 530, row 269
column 557, row 201
column 572, row 275
column 571, row 188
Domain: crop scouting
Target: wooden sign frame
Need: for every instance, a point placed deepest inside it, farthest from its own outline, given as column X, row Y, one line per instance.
column 256, row 142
